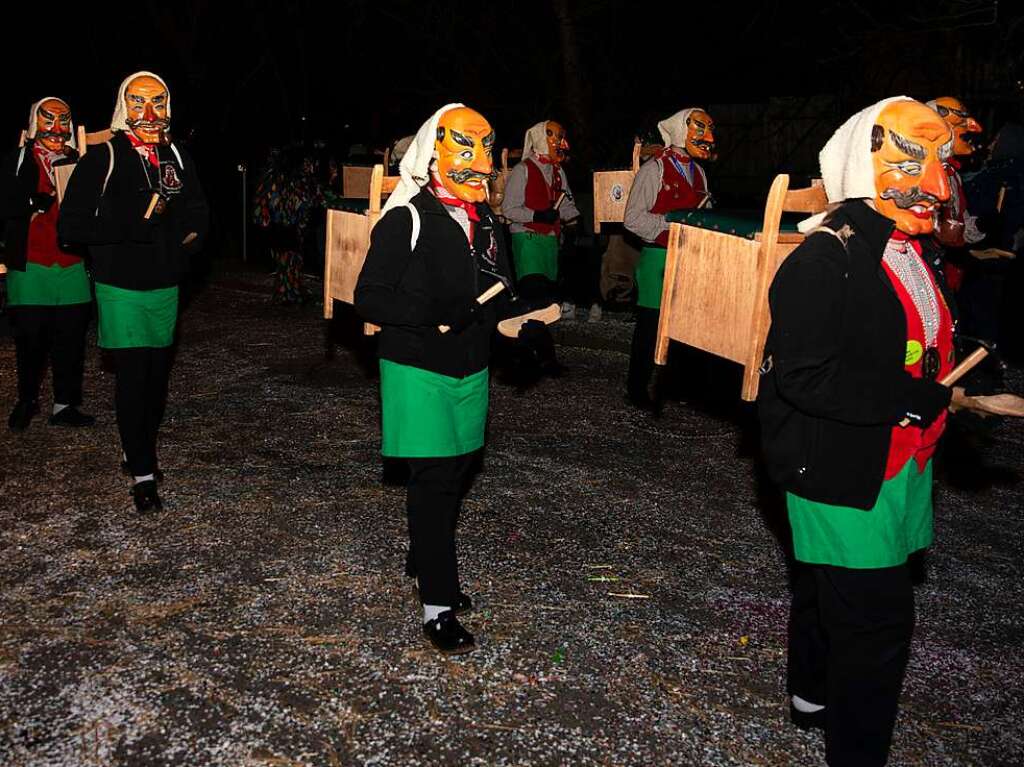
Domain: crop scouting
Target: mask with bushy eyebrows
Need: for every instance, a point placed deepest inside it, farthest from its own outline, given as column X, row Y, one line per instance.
column 463, row 149
column 145, row 100
column 910, row 145
column 700, row 135
column 960, row 122
column 53, row 124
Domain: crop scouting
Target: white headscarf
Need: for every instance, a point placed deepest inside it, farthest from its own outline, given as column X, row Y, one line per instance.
column 33, row 113
column 673, row 129
column 120, row 119
column 536, row 141
column 845, row 160
column 415, row 166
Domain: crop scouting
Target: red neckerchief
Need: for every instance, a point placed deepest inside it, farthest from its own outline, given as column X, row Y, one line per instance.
column 447, row 198
column 146, row 151
column 954, row 162
column 45, row 157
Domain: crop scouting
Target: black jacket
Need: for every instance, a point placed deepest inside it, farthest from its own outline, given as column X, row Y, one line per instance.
column 836, row 350
column 16, row 185
column 127, row 250
column 410, row 292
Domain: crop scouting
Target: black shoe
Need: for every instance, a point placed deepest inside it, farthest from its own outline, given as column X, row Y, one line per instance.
column 22, row 414
column 145, row 496
column 157, row 474
column 447, row 634
column 805, row 720
column 71, row 416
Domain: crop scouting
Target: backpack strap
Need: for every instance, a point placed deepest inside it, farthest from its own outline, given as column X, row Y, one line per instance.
column 415, row 214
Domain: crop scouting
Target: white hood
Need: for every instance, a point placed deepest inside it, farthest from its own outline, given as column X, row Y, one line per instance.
column 34, row 110
column 120, row 119
column 845, row 161
column 415, row 166
column 673, row 129
column 536, row 141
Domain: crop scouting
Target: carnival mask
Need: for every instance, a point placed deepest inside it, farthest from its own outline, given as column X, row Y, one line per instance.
column 700, row 135
column 960, row 122
column 910, row 145
column 464, row 144
column 53, row 124
column 558, row 146
column 145, row 100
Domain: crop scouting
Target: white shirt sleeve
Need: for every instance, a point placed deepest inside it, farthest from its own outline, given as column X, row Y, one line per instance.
column 642, row 195
column 513, row 207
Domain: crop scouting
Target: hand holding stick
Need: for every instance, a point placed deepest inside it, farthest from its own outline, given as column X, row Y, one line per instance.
column 959, row 372
column 483, row 298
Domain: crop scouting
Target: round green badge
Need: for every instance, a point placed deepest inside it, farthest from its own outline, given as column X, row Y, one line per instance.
column 914, row 352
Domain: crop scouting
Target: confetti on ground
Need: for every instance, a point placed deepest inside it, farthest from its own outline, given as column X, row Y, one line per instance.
column 263, row 619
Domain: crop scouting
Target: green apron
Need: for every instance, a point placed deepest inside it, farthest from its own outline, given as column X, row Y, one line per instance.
column 649, row 274
column 899, row 524
column 53, row 285
column 129, row 319
column 535, row 254
column 429, row 415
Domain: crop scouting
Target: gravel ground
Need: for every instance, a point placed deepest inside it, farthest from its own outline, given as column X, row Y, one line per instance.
column 631, row 592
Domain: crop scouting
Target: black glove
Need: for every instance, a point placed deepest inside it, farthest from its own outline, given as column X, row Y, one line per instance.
column 548, row 216
column 41, row 202
column 535, row 335
column 459, row 315
column 142, row 230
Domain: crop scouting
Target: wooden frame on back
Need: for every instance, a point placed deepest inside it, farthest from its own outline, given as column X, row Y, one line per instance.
column 496, row 189
column 347, row 242
column 611, row 190
column 356, row 180
column 715, row 293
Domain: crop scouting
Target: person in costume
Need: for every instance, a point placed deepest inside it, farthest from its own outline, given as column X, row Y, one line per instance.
column 436, row 248
column 672, row 180
column 851, row 411
column 137, row 204
column 538, row 201
column 49, row 296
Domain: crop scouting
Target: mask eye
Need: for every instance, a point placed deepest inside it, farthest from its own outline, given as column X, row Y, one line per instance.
column 910, row 167
column 466, row 155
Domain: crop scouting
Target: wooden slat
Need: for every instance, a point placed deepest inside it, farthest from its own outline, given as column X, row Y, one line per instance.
column 355, row 181
column 811, row 199
column 62, row 174
column 348, row 239
column 611, row 190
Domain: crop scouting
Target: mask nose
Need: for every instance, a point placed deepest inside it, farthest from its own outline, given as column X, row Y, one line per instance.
column 148, row 113
column 935, row 181
column 482, row 163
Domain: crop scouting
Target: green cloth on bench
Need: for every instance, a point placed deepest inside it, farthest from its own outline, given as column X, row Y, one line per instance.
column 742, row 223
column 347, row 204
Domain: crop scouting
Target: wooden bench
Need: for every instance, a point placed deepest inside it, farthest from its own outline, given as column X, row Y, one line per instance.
column 348, row 240
column 718, row 269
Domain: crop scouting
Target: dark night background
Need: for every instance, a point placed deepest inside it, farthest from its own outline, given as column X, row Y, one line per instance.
column 777, row 76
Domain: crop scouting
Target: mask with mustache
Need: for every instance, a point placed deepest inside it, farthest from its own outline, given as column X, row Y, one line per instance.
column 146, row 102
column 463, row 149
column 700, row 135
column 53, row 124
column 910, row 145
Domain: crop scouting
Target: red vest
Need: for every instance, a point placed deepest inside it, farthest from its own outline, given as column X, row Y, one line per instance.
column 540, row 196
column 676, row 192
column 42, row 247
column 910, row 441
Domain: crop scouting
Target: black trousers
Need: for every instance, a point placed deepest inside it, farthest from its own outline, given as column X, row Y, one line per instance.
column 433, row 501
column 140, row 395
column 55, row 334
column 849, row 642
column 641, row 353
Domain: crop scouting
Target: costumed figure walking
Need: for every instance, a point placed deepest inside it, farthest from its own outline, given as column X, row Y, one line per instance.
column 48, row 293
column 672, row 180
column 436, row 249
column 285, row 196
column 137, row 204
column 851, row 411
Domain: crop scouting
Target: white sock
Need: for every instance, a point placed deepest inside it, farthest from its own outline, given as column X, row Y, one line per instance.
column 805, row 706
column 430, row 612
column 57, row 408
column 144, row 478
